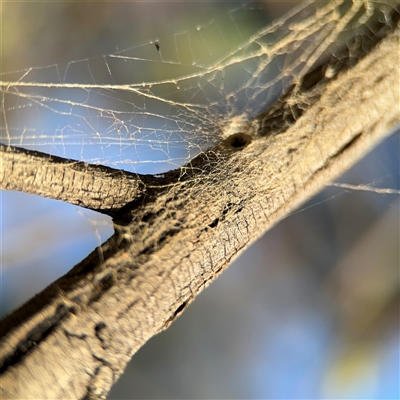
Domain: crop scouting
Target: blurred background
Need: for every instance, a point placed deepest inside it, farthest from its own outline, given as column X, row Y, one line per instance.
column 310, row 311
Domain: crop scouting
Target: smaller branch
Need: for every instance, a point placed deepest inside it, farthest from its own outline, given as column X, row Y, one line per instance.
column 92, row 186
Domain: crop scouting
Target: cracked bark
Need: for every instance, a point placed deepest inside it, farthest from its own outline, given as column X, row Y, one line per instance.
column 174, row 238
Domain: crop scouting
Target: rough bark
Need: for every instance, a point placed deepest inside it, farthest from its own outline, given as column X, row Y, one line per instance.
column 91, row 186
column 75, row 338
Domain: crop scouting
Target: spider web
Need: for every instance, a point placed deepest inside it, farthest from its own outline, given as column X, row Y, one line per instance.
column 151, row 108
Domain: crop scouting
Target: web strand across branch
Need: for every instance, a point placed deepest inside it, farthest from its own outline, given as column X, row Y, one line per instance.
column 115, row 118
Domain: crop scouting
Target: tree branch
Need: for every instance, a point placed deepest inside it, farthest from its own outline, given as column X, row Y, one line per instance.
column 92, row 186
column 75, row 338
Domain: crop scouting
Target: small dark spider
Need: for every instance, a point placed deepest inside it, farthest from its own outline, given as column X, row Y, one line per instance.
column 157, row 44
